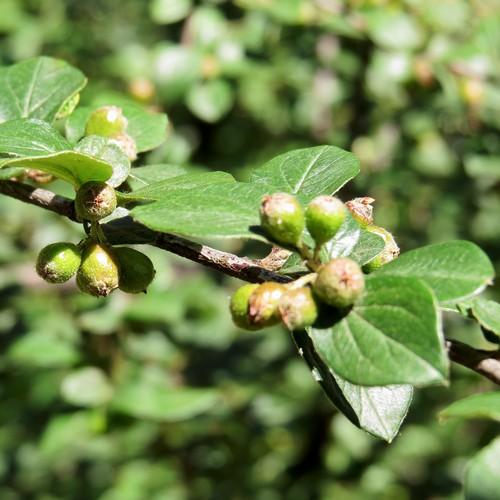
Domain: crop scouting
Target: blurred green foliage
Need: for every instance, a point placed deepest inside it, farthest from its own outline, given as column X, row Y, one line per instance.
column 158, row 396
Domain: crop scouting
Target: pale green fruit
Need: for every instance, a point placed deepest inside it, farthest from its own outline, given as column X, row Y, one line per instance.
column 95, row 200
column 107, row 121
column 239, row 306
column 324, row 216
column 298, row 308
column 282, row 217
column 339, row 283
column 263, row 304
column 99, row 272
column 58, row 262
column 136, row 270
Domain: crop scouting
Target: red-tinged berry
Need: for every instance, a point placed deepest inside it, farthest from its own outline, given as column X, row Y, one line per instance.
column 282, row 217
column 340, row 283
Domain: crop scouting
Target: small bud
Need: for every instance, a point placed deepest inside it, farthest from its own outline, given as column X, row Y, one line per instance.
column 281, row 215
column 361, row 210
column 58, row 262
column 339, row 283
column 390, row 251
column 136, row 270
column 127, row 144
column 239, row 306
column 98, row 274
column 324, row 216
column 94, row 201
column 263, row 304
column 107, row 121
column 298, row 308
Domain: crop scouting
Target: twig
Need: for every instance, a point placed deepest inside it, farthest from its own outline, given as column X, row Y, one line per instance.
column 127, row 231
column 486, row 363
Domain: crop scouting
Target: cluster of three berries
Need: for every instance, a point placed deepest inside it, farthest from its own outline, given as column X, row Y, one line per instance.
column 99, row 268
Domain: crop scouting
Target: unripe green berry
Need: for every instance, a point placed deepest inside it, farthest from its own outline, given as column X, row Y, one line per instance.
column 94, row 201
column 263, row 304
column 127, row 144
column 239, row 306
column 339, row 283
column 58, row 262
column 298, row 309
column 324, row 216
column 107, row 121
column 136, row 270
column 99, row 272
column 281, row 215
column 390, row 251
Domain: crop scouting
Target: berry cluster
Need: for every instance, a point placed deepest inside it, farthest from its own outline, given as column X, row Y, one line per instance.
column 326, row 293
column 99, row 267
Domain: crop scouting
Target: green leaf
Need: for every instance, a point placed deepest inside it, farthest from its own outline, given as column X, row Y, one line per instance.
column 103, row 149
column 378, row 410
column 308, row 172
column 43, row 350
column 148, row 129
column 87, row 387
column 169, row 11
column 453, row 270
column 211, row 100
column 367, row 248
column 353, row 242
column 483, row 471
column 162, row 191
column 37, row 88
column 392, row 337
column 37, row 145
column 30, row 137
column 140, row 177
column 223, row 210
column 155, row 402
column 487, row 314
column 484, row 405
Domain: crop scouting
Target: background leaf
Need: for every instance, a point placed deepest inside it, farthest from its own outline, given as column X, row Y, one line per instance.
column 393, row 336
column 483, row 471
column 484, row 405
column 453, row 270
column 87, row 386
column 37, row 88
column 163, row 404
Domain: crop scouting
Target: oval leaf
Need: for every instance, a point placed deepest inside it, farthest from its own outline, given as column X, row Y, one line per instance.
column 483, row 471
column 150, row 401
column 378, row 410
column 38, row 88
column 222, row 210
column 392, row 337
column 485, row 405
column 308, row 172
column 453, row 270
column 30, row 137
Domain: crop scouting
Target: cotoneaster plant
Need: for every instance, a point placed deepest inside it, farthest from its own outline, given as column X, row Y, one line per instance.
column 366, row 320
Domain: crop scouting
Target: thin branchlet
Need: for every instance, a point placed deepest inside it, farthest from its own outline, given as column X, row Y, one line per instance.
column 125, row 230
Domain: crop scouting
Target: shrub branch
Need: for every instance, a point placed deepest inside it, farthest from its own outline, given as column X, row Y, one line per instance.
column 127, row 231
